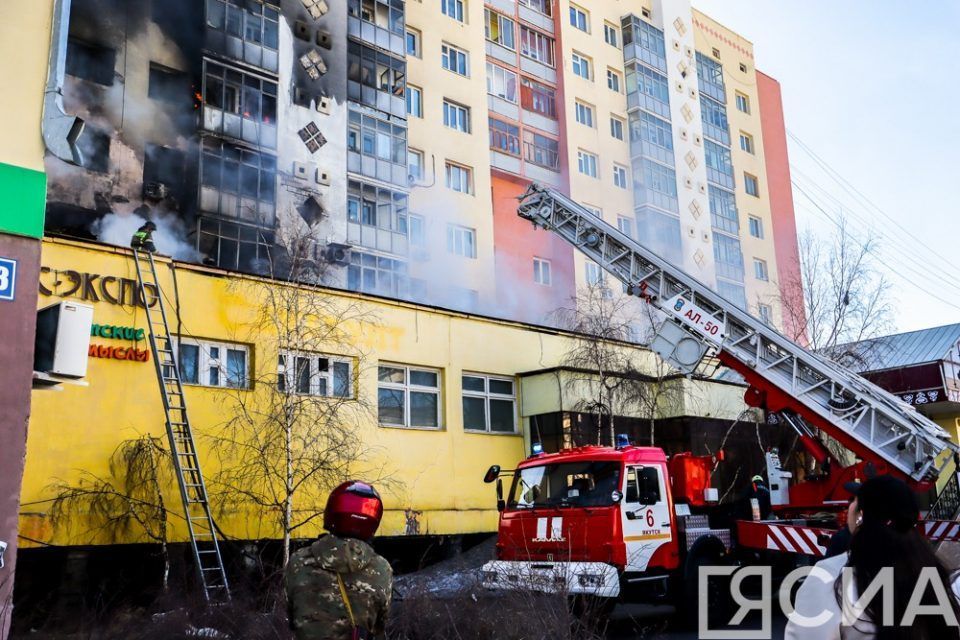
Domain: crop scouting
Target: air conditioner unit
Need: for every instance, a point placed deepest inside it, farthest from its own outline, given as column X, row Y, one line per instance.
column 63, row 339
column 155, row 191
column 338, row 254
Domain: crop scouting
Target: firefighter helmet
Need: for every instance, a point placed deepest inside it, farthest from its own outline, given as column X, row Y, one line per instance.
column 354, row 510
column 150, row 224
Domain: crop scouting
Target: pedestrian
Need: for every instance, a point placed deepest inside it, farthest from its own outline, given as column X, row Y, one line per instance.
column 884, row 545
column 142, row 239
column 338, row 588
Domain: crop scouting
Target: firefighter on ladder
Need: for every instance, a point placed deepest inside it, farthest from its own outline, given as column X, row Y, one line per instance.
column 142, row 240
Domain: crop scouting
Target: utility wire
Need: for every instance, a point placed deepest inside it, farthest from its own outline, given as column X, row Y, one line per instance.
column 851, row 189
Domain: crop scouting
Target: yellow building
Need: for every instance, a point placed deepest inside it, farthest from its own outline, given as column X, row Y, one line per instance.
column 429, row 462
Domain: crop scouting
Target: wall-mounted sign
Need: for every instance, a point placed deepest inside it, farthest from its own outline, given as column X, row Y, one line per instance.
column 8, row 278
column 118, row 353
column 113, row 332
column 93, row 287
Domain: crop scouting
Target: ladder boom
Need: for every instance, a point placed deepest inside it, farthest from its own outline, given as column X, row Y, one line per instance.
column 866, row 419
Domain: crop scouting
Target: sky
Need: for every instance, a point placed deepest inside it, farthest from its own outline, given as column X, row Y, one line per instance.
column 870, row 87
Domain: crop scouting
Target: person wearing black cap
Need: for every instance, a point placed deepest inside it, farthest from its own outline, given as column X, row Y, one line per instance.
column 882, row 520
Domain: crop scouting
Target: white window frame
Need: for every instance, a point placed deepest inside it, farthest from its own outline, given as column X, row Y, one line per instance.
column 620, row 176
column 497, row 79
column 490, row 14
column 456, row 116
column 417, row 226
column 206, row 362
column 588, row 160
column 418, row 42
column 288, row 371
column 416, row 153
column 760, row 270
column 617, row 127
column 415, row 99
column 584, row 113
column 454, row 9
column 625, row 225
column 746, row 143
column 407, row 387
column 614, row 81
column 579, row 18
column 450, row 53
column 750, row 178
column 462, row 241
column 765, row 313
column 614, row 39
column 466, row 177
column 487, row 396
column 743, row 102
column 594, row 275
column 542, row 272
column 581, row 64
column 756, row 226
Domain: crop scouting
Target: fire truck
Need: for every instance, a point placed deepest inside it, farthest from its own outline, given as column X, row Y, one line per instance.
column 625, row 520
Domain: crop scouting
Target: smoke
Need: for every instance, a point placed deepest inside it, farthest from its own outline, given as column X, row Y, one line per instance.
column 118, row 229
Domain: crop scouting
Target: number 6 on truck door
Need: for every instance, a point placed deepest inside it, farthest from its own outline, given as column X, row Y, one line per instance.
column 645, row 515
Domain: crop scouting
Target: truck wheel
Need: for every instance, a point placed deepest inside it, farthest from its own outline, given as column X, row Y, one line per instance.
column 707, row 551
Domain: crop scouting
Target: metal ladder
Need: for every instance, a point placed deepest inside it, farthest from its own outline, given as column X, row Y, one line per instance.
column 863, row 416
column 193, row 491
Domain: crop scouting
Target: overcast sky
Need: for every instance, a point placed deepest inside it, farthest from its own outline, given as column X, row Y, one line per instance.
column 871, row 87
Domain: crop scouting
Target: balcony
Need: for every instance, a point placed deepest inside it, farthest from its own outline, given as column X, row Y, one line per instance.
column 541, row 156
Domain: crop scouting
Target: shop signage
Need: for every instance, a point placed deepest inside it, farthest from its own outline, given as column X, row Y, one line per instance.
column 113, row 332
column 93, row 287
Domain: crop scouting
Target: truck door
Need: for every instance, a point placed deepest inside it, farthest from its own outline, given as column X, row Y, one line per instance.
column 645, row 514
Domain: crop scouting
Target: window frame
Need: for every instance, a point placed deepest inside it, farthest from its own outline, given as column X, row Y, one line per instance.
column 742, row 101
column 465, row 171
column 747, row 144
column 487, row 396
column 529, row 35
column 289, row 374
column 418, row 42
column 611, row 29
column 416, row 153
column 490, row 15
column 620, row 176
column 579, row 18
column 761, row 270
column 457, row 7
column 765, row 313
column 496, row 76
column 619, row 128
column 748, row 180
column 407, row 387
column 582, row 156
column 580, row 62
column 614, row 79
column 755, row 224
column 584, row 113
column 449, row 53
column 205, row 362
column 462, row 241
column 410, row 90
column 461, row 121
column 542, row 272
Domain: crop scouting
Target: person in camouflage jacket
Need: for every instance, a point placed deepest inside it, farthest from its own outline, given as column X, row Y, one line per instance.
column 317, row 610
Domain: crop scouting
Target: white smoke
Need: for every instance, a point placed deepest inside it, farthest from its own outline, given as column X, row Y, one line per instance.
column 118, row 229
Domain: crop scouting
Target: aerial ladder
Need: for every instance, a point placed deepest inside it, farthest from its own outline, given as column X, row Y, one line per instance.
column 806, row 390
column 183, row 449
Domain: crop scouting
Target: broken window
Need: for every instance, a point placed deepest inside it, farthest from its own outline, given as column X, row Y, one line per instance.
column 95, row 146
column 377, row 207
column 239, row 93
column 227, row 172
column 385, row 14
column 168, row 85
column 254, row 22
column 235, row 246
column 375, row 69
column 163, row 165
column 91, row 62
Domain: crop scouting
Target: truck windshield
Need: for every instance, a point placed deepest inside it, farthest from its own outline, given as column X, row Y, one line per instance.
column 575, row 484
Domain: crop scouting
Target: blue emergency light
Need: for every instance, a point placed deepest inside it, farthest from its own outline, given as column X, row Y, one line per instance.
column 623, row 440
column 536, row 449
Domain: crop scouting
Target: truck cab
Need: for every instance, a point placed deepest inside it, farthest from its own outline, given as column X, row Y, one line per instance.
column 586, row 521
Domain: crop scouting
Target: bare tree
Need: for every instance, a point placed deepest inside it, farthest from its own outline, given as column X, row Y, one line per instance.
column 295, row 429
column 599, row 361
column 842, row 294
column 128, row 501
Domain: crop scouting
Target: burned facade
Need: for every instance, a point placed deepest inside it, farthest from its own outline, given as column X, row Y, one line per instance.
column 222, row 120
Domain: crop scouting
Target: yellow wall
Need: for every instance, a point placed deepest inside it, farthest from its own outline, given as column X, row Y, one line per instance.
column 735, row 50
column 25, row 38
column 437, row 472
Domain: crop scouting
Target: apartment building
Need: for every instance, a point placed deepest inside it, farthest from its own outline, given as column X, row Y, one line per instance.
column 392, row 138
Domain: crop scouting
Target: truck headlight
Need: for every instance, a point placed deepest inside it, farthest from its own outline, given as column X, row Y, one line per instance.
column 590, row 579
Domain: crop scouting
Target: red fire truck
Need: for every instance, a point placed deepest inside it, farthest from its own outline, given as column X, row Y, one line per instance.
column 613, row 521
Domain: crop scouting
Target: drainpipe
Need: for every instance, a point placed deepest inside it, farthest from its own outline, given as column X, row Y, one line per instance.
column 60, row 130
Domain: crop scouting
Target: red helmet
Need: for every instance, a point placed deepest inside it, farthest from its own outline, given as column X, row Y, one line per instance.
column 354, row 510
